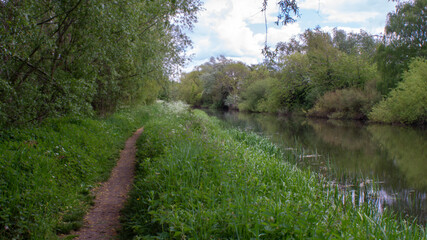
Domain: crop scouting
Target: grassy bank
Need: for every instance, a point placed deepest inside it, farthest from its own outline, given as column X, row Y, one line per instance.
column 196, row 180
column 47, row 171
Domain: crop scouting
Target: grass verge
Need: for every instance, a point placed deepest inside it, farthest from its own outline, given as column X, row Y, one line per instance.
column 197, row 180
column 47, row 171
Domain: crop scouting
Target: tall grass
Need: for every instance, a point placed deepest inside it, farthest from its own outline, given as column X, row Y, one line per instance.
column 47, row 171
column 196, row 180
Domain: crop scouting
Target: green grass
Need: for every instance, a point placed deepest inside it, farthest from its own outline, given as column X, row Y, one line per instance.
column 197, row 180
column 47, row 171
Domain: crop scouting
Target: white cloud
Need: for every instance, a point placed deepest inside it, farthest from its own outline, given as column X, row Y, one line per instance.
column 223, row 29
column 349, row 11
column 349, row 17
column 284, row 33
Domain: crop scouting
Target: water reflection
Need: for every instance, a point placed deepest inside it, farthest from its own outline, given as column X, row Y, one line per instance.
column 393, row 156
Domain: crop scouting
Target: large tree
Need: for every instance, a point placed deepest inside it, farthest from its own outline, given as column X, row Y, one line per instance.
column 62, row 57
column 405, row 38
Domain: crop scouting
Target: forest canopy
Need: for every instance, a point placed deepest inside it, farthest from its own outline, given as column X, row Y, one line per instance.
column 76, row 57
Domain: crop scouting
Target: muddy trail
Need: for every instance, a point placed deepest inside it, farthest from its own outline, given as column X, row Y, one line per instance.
column 102, row 221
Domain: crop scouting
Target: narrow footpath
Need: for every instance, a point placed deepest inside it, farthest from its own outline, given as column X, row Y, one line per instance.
column 102, row 221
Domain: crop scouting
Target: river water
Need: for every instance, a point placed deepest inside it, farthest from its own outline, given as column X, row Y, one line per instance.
column 354, row 155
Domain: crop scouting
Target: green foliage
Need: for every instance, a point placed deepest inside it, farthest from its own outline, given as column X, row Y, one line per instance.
column 191, row 88
column 406, row 38
column 407, row 103
column 46, row 171
column 350, row 103
column 62, row 57
column 328, row 64
column 294, row 89
column 216, row 83
column 355, row 43
column 256, row 97
column 204, row 182
column 332, row 69
column 296, row 76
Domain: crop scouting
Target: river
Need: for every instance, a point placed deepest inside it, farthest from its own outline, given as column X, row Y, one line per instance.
column 354, row 155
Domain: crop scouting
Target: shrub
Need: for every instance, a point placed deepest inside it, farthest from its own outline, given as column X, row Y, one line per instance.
column 256, row 96
column 407, row 103
column 351, row 103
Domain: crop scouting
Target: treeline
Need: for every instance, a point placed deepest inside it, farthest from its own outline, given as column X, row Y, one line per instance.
column 333, row 75
column 85, row 56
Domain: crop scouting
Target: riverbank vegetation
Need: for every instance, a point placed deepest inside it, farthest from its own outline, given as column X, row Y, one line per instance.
column 407, row 103
column 327, row 74
column 197, row 179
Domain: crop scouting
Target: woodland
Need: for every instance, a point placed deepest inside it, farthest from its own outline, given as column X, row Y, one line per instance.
column 82, row 58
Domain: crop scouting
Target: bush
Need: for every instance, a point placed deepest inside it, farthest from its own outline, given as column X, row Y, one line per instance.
column 351, row 103
column 407, row 103
column 256, row 97
column 294, row 90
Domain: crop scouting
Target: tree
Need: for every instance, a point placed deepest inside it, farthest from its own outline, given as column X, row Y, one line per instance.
column 362, row 43
column 256, row 98
column 295, row 84
column 234, row 76
column 73, row 57
column 222, row 81
column 408, row 102
column 406, row 38
column 287, row 8
column 190, row 88
column 315, row 63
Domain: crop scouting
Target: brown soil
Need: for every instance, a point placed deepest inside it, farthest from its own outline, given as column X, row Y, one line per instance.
column 102, row 221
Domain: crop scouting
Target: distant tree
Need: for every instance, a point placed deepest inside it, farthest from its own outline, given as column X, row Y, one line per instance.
column 257, row 97
column 361, row 43
column 295, row 83
column 221, row 81
column 315, row 63
column 190, row 88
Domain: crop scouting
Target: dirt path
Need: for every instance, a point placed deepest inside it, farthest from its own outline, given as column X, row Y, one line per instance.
column 102, row 222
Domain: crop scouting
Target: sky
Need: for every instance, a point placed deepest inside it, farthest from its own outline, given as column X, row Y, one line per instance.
column 236, row 28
